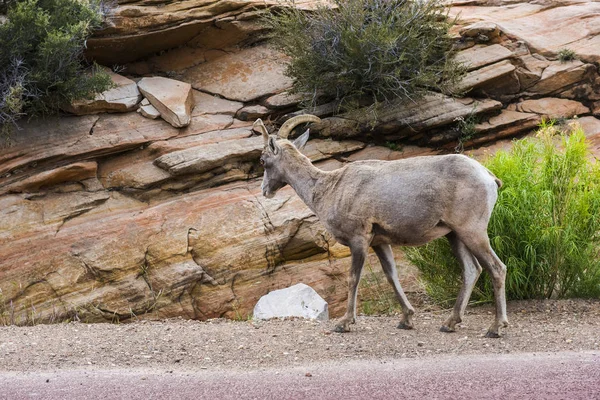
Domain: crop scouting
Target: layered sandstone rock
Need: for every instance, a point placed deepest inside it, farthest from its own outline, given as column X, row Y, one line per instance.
column 141, row 28
column 117, row 216
column 245, row 76
column 551, row 108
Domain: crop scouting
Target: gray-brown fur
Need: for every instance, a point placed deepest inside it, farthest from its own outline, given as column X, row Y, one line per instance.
column 408, row 202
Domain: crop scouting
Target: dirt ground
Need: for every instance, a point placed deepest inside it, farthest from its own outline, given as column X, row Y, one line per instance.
column 536, row 326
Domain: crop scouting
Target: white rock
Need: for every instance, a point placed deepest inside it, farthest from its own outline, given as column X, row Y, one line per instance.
column 296, row 301
column 173, row 99
column 123, row 97
column 148, row 110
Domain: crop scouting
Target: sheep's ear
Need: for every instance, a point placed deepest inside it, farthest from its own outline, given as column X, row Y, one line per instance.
column 301, row 140
column 273, row 144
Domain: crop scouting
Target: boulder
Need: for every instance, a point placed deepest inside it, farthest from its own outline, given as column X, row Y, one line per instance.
column 173, row 99
column 124, row 97
column 244, row 76
column 299, row 301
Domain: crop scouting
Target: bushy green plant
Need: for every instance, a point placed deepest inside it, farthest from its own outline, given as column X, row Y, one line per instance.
column 566, row 54
column 467, row 129
column 41, row 57
column 545, row 224
column 378, row 49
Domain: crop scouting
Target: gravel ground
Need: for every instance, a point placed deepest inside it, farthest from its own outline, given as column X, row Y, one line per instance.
column 536, row 326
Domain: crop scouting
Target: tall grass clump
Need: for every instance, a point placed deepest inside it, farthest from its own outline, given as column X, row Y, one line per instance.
column 545, row 225
column 41, row 57
column 380, row 50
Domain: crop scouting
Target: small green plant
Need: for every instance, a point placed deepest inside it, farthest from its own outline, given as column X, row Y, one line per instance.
column 545, row 224
column 466, row 128
column 41, row 57
column 380, row 50
column 394, row 146
column 239, row 314
column 566, row 54
column 376, row 294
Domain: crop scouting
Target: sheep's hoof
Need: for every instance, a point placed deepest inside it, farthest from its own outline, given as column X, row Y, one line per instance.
column 492, row 335
column 340, row 329
column 404, row 325
column 446, row 329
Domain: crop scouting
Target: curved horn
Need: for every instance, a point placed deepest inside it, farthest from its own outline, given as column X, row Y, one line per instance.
column 258, row 125
column 291, row 123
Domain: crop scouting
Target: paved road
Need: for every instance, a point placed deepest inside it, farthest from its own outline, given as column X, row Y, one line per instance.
column 519, row 376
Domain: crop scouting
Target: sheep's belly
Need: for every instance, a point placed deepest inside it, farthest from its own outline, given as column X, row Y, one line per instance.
column 408, row 237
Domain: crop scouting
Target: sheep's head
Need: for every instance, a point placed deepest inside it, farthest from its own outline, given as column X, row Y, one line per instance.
column 272, row 155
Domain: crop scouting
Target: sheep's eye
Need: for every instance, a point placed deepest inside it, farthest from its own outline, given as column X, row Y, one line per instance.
column 262, row 161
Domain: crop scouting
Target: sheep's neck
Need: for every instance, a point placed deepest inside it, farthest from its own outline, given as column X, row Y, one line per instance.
column 304, row 177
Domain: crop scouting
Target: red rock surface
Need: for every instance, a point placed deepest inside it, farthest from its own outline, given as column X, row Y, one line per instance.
column 112, row 216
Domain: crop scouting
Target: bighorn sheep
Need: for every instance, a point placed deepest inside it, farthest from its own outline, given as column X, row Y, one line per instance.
column 407, row 202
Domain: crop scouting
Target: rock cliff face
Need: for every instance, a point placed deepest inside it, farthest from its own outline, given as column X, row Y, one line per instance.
column 143, row 27
column 113, row 216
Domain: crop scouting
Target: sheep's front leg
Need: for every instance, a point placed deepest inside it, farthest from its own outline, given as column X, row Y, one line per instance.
column 386, row 258
column 359, row 254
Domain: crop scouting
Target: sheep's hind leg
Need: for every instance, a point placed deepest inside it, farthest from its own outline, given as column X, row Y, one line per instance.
column 479, row 245
column 386, row 258
column 470, row 273
column 359, row 254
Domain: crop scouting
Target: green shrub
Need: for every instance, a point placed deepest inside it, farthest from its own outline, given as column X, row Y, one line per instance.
column 566, row 54
column 545, row 224
column 41, row 57
column 378, row 49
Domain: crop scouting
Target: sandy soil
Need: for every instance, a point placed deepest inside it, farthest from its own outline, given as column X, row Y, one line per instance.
column 536, row 326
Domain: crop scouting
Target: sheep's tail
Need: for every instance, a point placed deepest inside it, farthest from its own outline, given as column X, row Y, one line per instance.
column 498, row 181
